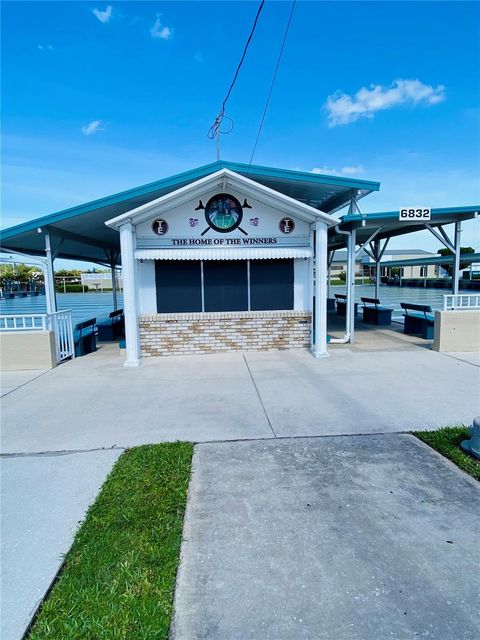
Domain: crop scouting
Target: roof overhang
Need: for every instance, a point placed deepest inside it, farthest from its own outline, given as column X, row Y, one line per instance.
column 389, row 225
column 467, row 258
column 80, row 233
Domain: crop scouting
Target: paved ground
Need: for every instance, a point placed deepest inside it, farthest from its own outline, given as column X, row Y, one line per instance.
column 384, row 383
column 343, row 538
column 12, row 380
column 44, row 498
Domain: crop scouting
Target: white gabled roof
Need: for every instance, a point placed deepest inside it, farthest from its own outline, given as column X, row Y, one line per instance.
column 223, row 180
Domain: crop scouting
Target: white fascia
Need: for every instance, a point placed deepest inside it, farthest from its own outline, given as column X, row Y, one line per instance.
column 223, row 179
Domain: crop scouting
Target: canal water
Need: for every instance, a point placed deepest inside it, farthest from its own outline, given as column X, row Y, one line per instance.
column 83, row 305
column 96, row 305
column 393, row 296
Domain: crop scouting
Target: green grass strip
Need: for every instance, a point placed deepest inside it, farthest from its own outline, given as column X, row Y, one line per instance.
column 119, row 575
column 447, row 442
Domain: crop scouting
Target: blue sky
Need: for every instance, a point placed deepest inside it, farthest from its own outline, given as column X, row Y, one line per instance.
column 102, row 96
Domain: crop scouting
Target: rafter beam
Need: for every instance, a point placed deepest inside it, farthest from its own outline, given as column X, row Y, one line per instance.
column 76, row 237
column 441, row 237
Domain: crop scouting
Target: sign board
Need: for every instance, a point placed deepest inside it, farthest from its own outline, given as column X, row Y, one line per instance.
column 224, row 220
column 414, row 214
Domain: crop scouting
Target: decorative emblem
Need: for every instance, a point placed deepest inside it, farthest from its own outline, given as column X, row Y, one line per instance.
column 254, row 222
column 286, row 225
column 193, row 222
column 160, row 227
column 223, row 213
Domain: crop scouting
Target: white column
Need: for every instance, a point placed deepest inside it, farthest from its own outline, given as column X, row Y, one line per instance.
column 114, row 286
column 311, row 268
column 376, row 254
column 51, row 298
column 350, row 320
column 456, row 258
column 132, row 338
column 321, row 264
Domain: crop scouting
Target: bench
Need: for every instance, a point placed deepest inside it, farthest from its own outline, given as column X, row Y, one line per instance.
column 342, row 305
column 330, row 304
column 84, row 337
column 111, row 327
column 374, row 313
column 419, row 319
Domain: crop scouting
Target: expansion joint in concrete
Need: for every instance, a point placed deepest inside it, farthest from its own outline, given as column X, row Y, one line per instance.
column 259, row 397
column 68, row 452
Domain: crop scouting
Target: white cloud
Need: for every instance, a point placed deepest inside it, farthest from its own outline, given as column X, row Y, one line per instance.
column 353, row 171
column 45, row 47
column 345, row 171
column 92, row 127
column 103, row 16
column 343, row 108
column 324, row 170
column 160, row 31
column 198, row 56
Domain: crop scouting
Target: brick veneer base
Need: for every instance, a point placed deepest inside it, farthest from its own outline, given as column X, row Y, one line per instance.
column 166, row 334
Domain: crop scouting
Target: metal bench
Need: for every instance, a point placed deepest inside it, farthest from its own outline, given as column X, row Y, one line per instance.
column 419, row 319
column 374, row 313
column 111, row 327
column 342, row 305
column 84, row 337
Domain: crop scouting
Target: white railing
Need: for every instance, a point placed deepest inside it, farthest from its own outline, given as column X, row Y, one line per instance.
column 461, row 301
column 59, row 322
column 23, row 322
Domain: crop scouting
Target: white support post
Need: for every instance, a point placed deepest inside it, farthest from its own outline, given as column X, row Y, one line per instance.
column 132, row 338
column 311, row 291
column 456, row 258
column 350, row 319
column 51, row 298
column 376, row 254
column 114, row 286
column 329, row 276
column 321, row 259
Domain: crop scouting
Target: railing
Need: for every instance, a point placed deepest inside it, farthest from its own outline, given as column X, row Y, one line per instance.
column 24, row 322
column 461, row 301
column 59, row 322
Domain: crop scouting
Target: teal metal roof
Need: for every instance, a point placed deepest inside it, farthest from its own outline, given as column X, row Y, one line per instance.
column 439, row 215
column 390, row 226
column 82, row 235
column 468, row 258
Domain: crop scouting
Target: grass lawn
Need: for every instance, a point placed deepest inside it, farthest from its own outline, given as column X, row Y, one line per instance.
column 119, row 575
column 447, row 442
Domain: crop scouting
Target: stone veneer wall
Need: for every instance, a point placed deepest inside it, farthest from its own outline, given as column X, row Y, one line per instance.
column 166, row 334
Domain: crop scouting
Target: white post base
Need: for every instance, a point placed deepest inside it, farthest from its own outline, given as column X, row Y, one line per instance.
column 320, row 354
column 131, row 363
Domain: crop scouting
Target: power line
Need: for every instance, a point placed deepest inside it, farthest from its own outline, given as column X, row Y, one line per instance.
column 273, row 81
column 215, row 128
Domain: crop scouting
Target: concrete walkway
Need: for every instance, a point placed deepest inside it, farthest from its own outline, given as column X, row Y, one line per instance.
column 94, row 402
column 43, row 500
column 382, row 384
column 343, row 538
column 12, row 380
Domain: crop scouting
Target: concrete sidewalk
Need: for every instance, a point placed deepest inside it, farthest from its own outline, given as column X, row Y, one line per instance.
column 94, row 402
column 343, row 538
column 43, row 500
